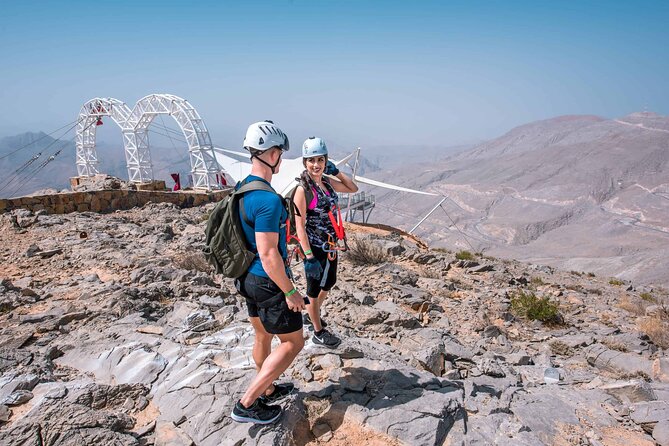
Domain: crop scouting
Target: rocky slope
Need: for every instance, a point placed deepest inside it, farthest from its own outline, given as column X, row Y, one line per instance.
column 114, row 331
column 578, row 192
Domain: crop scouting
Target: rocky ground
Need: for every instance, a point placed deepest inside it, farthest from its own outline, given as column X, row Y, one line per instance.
column 113, row 331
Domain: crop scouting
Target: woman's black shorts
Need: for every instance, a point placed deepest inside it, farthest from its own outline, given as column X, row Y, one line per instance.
column 314, row 286
column 266, row 301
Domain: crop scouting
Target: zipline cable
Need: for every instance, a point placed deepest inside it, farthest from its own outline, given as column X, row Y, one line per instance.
column 73, row 124
column 39, row 168
column 16, row 175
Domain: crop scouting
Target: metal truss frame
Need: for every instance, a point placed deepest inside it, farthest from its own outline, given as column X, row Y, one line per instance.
column 135, row 127
column 91, row 111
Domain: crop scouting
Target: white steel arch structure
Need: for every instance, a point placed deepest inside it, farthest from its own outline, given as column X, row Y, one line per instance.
column 90, row 113
column 135, row 127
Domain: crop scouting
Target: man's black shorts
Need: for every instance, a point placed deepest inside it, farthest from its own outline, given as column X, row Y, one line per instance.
column 266, row 300
column 330, row 272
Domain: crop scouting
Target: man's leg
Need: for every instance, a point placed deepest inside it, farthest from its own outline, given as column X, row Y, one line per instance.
column 262, row 346
column 274, row 365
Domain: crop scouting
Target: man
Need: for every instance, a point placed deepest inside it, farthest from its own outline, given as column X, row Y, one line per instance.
column 273, row 302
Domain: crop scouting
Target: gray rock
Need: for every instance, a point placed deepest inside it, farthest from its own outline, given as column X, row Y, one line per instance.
column 614, row 361
column 416, row 416
column 368, row 316
column 544, row 410
column 519, row 358
column 661, row 369
column 454, row 350
column 199, row 321
column 363, row 298
column 353, row 383
column 491, row 331
column 633, row 391
column 531, row 375
column 167, row 434
column 57, row 393
column 214, row 302
column 491, row 367
column 576, row 340
column 390, row 247
column 386, row 306
column 9, row 384
column 17, row 398
column 329, row 361
column 5, row 413
column 483, row 268
column 321, row 431
column 32, row 251
column 413, row 297
column 431, row 358
column 661, row 433
column 650, row 412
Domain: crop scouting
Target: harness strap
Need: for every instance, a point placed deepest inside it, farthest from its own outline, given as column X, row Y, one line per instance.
column 338, row 225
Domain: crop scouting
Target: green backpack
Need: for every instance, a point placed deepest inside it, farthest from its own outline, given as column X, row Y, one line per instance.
column 226, row 247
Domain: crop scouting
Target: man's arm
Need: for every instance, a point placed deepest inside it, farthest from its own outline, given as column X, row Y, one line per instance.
column 272, row 263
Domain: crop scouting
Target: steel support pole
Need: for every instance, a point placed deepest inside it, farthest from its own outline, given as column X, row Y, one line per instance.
column 355, row 172
column 428, row 214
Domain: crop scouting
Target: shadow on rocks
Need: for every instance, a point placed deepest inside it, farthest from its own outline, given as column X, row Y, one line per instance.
column 414, row 408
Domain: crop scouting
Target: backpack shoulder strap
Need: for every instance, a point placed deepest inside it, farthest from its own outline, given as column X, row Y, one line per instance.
column 248, row 187
column 308, row 191
column 329, row 186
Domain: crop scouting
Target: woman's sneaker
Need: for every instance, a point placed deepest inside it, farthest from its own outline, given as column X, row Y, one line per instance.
column 259, row 413
column 280, row 391
column 326, row 339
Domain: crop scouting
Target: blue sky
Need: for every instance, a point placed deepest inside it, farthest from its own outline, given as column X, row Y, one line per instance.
column 358, row 73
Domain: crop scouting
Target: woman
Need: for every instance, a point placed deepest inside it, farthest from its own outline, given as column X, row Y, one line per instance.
column 315, row 226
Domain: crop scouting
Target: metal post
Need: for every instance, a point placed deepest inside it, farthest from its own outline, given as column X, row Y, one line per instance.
column 428, row 214
column 355, row 172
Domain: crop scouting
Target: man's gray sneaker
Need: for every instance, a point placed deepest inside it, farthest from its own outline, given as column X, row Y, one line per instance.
column 326, row 339
column 280, row 391
column 259, row 413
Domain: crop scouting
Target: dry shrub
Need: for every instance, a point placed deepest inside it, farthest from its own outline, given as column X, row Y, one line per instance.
column 528, row 305
column 634, row 306
column 615, row 345
column 464, row 255
column 538, row 281
column 194, row 261
column 431, row 273
column 657, row 329
column 647, row 297
column 560, row 348
column 363, row 251
column 616, row 282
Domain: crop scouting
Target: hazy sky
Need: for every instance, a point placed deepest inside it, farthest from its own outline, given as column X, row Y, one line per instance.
column 358, row 73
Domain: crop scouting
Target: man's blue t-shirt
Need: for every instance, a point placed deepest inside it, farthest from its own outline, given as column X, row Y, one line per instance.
column 267, row 212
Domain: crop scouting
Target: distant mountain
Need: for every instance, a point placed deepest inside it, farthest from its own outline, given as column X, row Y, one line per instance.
column 580, row 192
column 19, row 176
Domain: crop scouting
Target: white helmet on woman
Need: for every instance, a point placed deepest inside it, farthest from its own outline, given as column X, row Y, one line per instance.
column 314, row 146
column 264, row 135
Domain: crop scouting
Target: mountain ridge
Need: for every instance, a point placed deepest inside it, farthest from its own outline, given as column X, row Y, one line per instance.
column 542, row 189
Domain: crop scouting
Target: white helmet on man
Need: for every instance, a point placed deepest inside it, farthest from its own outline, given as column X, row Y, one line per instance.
column 314, row 146
column 264, row 135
